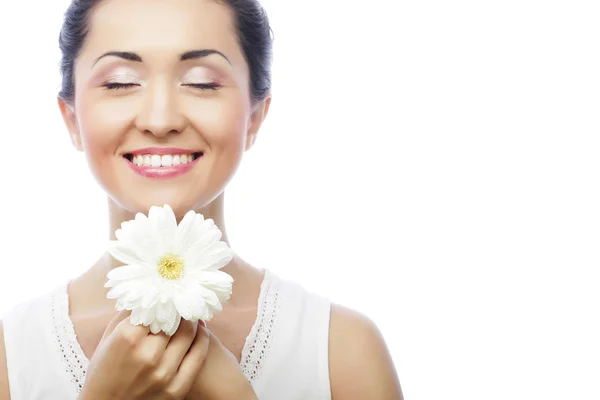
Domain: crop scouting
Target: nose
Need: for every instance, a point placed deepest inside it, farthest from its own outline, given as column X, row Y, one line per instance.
column 160, row 114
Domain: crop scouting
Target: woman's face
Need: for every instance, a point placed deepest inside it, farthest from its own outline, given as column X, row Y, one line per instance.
column 155, row 75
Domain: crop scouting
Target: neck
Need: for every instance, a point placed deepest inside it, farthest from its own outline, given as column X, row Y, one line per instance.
column 214, row 210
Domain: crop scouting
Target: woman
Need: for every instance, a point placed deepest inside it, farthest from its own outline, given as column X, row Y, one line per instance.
column 164, row 97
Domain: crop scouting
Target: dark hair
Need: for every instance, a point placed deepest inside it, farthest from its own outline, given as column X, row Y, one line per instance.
column 252, row 27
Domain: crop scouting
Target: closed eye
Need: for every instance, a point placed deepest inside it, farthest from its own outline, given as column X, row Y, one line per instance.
column 201, row 86
column 117, row 85
column 204, row 86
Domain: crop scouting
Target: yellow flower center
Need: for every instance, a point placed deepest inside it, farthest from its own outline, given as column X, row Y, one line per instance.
column 170, row 266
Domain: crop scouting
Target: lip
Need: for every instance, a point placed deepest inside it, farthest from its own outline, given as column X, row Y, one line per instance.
column 162, row 151
column 162, row 172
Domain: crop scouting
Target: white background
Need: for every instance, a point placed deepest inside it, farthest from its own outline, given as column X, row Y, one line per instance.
column 432, row 164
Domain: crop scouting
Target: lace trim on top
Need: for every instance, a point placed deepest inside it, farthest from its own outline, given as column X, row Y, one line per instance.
column 74, row 360
column 258, row 342
column 254, row 352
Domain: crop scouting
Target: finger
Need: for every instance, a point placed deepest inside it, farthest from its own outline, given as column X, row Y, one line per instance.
column 179, row 345
column 131, row 334
column 154, row 345
column 192, row 362
column 117, row 319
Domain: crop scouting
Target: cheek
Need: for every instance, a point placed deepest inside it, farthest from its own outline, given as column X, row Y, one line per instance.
column 103, row 122
column 223, row 124
column 102, row 125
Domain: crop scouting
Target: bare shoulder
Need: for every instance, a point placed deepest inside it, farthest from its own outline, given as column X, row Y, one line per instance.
column 360, row 365
column 4, row 390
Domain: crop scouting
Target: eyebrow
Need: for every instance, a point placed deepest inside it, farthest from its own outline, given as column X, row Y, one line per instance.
column 126, row 55
column 188, row 55
column 193, row 54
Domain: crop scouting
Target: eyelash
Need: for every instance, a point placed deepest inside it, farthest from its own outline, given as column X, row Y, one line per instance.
column 204, row 86
column 116, row 85
column 201, row 86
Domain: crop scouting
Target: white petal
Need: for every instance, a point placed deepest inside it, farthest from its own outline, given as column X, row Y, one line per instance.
column 199, row 218
column 185, row 232
column 155, row 326
column 124, row 230
column 126, row 272
column 119, row 306
column 149, row 316
column 139, row 316
column 117, row 291
column 167, row 317
column 216, row 277
column 210, row 297
column 204, row 234
column 163, row 218
column 183, row 303
column 163, row 297
column 190, row 303
column 222, row 294
column 163, row 310
column 199, row 301
column 219, row 282
column 138, row 252
column 129, row 293
column 150, row 297
column 213, row 279
column 212, row 234
column 131, row 229
column 171, row 328
column 218, row 256
column 166, row 226
column 207, row 314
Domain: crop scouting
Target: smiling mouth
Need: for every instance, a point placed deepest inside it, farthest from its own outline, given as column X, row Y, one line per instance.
column 167, row 160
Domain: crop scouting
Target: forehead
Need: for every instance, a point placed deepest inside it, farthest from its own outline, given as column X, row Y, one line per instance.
column 162, row 27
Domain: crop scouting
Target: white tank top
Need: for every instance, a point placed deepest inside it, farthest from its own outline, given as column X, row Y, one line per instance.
column 285, row 355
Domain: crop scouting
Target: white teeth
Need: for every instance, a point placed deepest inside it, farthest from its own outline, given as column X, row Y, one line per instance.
column 154, row 160
column 166, row 161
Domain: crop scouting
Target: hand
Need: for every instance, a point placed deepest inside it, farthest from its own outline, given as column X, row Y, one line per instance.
column 221, row 377
column 132, row 363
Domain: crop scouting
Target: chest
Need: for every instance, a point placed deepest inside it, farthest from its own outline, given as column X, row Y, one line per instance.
column 231, row 326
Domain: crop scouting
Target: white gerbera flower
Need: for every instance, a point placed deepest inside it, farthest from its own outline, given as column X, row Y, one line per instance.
column 171, row 271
